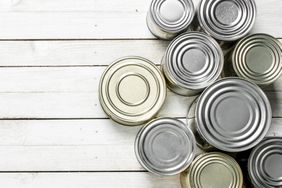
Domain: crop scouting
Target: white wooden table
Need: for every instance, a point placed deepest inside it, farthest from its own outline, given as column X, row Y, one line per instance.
column 53, row 132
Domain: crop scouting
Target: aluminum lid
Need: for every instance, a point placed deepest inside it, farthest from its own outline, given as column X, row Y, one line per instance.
column 172, row 16
column 258, row 58
column 193, row 61
column 265, row 164
column 233, row 115
column 165, row 146
column 213, row 170
column 227, row 20
column 132, row 90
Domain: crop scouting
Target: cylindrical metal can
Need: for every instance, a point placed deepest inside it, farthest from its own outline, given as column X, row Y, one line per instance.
column 165, row 146
column 265, row 164
column 168, row 18
column 233, row 115
column 227, row 20
column 257, row 58
column 132, row 90
column 192, row 62
column 214, row 169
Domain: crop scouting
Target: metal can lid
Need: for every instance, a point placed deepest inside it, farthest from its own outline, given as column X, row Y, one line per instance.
column 213, row 170
column 265, row 164
column 258, row 58
column 172, row 16
column 233, row 115
column 132, row 90
column 227, row 20
column 193, row 61
column 165, row 146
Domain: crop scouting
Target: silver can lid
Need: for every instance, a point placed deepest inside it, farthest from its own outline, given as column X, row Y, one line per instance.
column 193, row 61
column 265, row 164
column 172, row 16
column 258, row 58
column 214, row 169
column 165, row 146
column 227, row 20
column 233, row 115
column 132, row 90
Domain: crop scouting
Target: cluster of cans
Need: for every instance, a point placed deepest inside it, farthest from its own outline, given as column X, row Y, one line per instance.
column 232, row 115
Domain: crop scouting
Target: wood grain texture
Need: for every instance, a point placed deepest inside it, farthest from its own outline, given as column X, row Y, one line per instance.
column 98, row 19
column 87, row 180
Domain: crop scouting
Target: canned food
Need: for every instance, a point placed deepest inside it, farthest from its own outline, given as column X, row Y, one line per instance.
column 192, row 62
column 233, row 115
column 265, row 164
column 257, row 58
column 165, row 146
column 167, row 18
column 227, row 20
column 132, row 90
column 213, row 170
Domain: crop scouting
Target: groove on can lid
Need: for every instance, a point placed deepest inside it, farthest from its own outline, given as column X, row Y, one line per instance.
column 165, row 146
column 193, row 61
column 172, row 16
column 265, row 164
column 132, row 90
column 227, row 20
column 213, row 170
column 258, row 58
column 233, row 115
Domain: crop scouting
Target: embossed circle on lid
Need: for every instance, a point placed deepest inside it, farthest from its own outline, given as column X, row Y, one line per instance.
column 258, row 58
column 165, row 146
column 132, row 90
column 227, row 20
column 265, row 163
column 233, row 115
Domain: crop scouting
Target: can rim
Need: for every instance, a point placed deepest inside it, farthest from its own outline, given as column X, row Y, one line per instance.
column 125, row 121
column 140, row 138
column 254, row 40
column 240, row 143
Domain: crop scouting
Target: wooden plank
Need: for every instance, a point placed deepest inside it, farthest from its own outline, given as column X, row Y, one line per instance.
column 36, row 20
column 77, row 53
column 73, row 145
column 87, row 180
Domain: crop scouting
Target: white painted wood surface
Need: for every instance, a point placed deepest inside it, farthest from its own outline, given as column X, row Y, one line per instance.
column 53, row 132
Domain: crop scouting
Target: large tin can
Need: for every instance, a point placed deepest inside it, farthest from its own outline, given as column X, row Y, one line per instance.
column 226, row 20
column 216, row 170
column 192, row 62
column 265, row 164
column 232, row 115
column 257, row 58
column 132, row 90
column 168, row 18
column 165, row 146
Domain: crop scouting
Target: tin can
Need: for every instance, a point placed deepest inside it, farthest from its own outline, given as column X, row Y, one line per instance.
column 168, row 18
column 227, row 20
column 257, row 58
column 165, row 146
column 233, row 115
column 192, row 62
column 132, row 90
column 265, row 164
column 213, row 170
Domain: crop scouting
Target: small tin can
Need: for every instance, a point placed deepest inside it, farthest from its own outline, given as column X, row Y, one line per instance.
column 232, row 115
column 168, row 18
column 227, row 20
column 265, row 164
column 192, row 62
column 216, row 170
column 132, row 90
column 165, row 146
column 257, row 58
